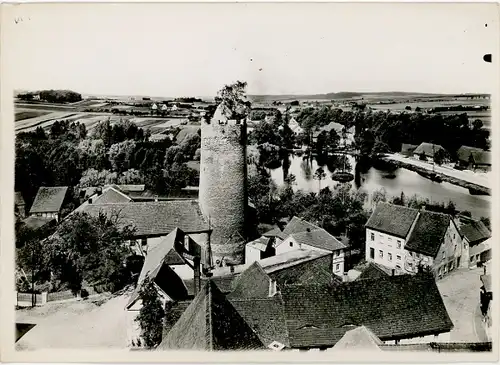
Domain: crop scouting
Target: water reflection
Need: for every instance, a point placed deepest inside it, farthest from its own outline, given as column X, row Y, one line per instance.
column 371, row 179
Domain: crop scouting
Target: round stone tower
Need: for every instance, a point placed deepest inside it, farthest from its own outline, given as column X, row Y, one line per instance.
column 223, row 183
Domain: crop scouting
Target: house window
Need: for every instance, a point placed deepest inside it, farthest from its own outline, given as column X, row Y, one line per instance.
column 372, row 236
column 399, row 244
column 398, row 267
column 453, row 235
column 337, row 267
column 381, row 254
column 390, row 256
column 398, row 257
column 472, row 258
column 389, row 239
column 291, row 244
column 455, row 248
column 410, row 264
column 372, row 253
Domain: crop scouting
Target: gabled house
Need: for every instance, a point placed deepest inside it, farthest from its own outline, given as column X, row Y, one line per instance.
column 174, row 258
column 408, row 149
column 428, row 150
column 107, row 195
column 154, row 220
column 397, row 309
column 298, row 234
column 476, row 241
column 49, row 202
column 474, row 158
column 405, row 239
column 211, row 323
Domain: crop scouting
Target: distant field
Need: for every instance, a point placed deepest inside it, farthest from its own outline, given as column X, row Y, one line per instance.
column 46, row 106
column 29, row 114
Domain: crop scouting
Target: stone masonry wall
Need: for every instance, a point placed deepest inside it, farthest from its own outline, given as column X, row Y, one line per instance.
column 223, row 190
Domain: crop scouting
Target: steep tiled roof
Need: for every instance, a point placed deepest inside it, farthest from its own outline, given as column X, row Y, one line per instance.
column 428, row 234
column 297, row 225
column 224, row 283
column 374, row 271
column 359, row 338
column 211, row 323
column 154, row 264
column 155, row 218
column 394, row 307
column 37, row 222
column 407, row 148
column 392, row 219
column 109, row 195
column 318, row 238
column 464, row 152
column 428, row 149
column 251, row 283
column 315, row 270
column 266, row 317
column 49, row 199
column 260, row 243
column 481, row 157
column 275, row 232
column 475, row 232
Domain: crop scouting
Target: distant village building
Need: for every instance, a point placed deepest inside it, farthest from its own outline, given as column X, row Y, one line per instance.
column 404, row 238
column 48, row 202
column 474, row 158
column 428, row 150
column 408, row 149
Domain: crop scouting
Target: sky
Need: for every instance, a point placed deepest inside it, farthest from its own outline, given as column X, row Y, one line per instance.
column 293, row 48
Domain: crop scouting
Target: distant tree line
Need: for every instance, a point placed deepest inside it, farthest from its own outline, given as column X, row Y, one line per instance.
column 67, row 155
column 53, row 96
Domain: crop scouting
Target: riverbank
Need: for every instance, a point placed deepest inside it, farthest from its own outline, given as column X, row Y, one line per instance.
column 445, row 177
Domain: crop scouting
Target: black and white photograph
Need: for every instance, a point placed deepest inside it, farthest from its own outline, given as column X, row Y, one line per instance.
column 280, row 179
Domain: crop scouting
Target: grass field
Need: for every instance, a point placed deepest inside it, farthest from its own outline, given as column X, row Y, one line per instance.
column 28, row 114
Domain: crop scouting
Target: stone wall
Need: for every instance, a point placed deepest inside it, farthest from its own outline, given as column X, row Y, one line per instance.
column 223, row 190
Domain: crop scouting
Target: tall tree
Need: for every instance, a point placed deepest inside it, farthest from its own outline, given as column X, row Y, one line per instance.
column 151, row 314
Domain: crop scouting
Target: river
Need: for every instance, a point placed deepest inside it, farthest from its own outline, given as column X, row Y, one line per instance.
column 405, row 181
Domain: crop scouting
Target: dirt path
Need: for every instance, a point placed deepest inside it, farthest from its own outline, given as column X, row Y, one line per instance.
column 96, row 323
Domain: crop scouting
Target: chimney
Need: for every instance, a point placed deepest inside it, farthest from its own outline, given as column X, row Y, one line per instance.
column 393, row 272
column 99, row 191
column 423, row 207
column 186, row 243
column 197, row 275
column 90, row 200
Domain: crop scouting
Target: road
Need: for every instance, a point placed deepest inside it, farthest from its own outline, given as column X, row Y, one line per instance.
column 97, row 323
column 460, row 292
column 482, row 179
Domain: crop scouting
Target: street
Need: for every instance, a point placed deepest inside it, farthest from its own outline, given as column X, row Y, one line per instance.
column 480, row 178
column 460, row 292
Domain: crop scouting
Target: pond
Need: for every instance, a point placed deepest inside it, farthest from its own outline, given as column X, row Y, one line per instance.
column 400, row 180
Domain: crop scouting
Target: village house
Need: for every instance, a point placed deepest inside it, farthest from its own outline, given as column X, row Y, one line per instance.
column 313, row 317
column 408, row 149
column 176, row 257
column 428, row 150
column 154, row 220
column 474, row 158
column 404, row 239
column 476, row 241
column 49, row 202
column 298, row 234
